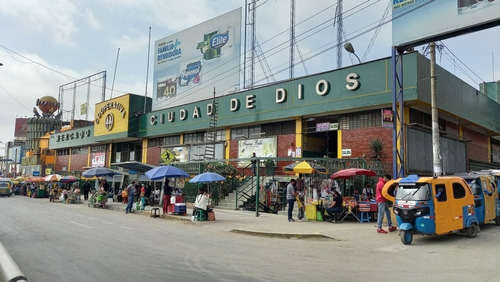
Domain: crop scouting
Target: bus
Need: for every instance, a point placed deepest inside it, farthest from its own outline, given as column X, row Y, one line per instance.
column 5, row 187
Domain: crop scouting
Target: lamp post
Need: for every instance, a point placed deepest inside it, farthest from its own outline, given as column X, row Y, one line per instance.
column 348, row 47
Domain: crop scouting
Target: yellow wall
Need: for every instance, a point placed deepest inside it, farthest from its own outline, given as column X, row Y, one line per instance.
column 118, row 109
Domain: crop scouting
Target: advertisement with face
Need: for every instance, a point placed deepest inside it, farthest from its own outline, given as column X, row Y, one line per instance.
column 191, row 63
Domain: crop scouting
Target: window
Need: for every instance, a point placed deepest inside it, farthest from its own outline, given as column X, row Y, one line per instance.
column 440, row 192
column 458, row 191
column 220, row 135
column 127, row 151
column 425, row 119
column 264, row 130
column 63, row 152
column 80, row 150
column 98, row 148
column 195, row 137
column 164, row 141
column 361, row 120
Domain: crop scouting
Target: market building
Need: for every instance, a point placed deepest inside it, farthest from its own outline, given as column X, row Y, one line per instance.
column 335, row 114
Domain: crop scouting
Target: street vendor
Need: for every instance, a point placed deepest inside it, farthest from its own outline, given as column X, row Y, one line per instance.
column 335, row 206
column 201, row 202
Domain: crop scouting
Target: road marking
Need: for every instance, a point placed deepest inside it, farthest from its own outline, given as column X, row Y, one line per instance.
column 82, row 225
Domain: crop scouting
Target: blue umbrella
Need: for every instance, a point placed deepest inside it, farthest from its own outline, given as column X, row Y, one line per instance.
column 168, row 171
column 207, row 177
column 98, row 172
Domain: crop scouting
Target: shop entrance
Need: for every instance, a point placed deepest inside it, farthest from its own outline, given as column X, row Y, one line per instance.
column 320, row 138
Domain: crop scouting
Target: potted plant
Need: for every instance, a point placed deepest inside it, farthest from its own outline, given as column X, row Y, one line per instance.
column 270, row 166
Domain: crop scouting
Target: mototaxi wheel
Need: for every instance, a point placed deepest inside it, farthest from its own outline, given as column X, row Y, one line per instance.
column 472, row 230
column 497, row 220
column 406, row 237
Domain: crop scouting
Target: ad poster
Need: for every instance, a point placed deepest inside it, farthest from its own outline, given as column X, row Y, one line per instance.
column 98, row 159
column 263, row 147
column 191, row 63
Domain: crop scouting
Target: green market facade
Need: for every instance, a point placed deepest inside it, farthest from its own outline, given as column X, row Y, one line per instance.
column 336, row 114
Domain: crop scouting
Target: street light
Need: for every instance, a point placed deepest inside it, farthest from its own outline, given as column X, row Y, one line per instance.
column 348, row 47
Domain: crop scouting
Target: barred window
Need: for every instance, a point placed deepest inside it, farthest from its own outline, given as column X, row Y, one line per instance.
column 98, row 148
column 424, row 119
column 220, row 135
column 264, row 130
column 79, row 150
column 279, row 128
column 195, row 137
column 164, row 141
column 361, row 120
column 128, row 151
column 63, row 152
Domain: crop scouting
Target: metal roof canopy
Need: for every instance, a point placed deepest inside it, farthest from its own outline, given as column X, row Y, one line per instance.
column 135, row 166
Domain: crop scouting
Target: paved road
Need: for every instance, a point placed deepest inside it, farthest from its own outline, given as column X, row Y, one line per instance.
column 57, row 242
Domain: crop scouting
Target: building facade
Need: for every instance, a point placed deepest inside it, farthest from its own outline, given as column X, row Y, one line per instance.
column 344, row 113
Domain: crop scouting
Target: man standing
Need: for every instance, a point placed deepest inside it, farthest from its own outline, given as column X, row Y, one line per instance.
column 167, row 192
column 383, row 208
column 290, row 198
column 131, row 194
column 86, row 190
column 254, row 164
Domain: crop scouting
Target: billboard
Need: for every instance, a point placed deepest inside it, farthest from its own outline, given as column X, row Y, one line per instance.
column 191, row 63
column 415, row 22
column 21, row 129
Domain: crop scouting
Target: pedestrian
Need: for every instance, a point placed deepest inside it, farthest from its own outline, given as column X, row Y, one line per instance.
column 143, row 196
column 383, row 208
column 131, row 194
column 167, row 192
column 86, row 190
column 290, row 198
column 253, row 161
column 335, row 206
column 124, row 196
column 105, row 185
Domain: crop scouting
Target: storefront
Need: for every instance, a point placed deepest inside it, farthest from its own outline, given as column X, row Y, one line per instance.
column 337, row 114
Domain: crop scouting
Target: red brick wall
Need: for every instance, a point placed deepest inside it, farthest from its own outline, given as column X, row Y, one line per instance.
column 61, row 161
column 358, row 140
column 79, row 161
column 153, row 156
column 478, row 148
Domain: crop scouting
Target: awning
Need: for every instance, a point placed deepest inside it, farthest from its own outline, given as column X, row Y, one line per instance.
column 135, row 166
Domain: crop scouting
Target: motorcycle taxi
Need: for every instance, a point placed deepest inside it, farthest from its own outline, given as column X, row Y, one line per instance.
column 432, row 206
column 486, row 201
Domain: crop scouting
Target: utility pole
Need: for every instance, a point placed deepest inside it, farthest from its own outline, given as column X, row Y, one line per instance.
column 436, row 150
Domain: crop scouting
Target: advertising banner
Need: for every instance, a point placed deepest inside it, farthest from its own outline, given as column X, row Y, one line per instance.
column 417, row 22
column 98, row 159
column 263, row 147
column 191, row 63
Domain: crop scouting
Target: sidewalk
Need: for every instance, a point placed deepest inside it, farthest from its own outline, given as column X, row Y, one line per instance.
column 270, row 225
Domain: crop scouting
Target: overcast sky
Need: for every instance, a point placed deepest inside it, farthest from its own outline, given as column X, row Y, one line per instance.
column 46, row 44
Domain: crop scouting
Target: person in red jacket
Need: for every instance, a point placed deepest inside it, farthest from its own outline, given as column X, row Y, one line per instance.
column 383, row 208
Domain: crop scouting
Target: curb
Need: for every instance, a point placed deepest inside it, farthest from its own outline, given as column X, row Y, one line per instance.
column 148, row 213
column 9, row 271
column 283, row 235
